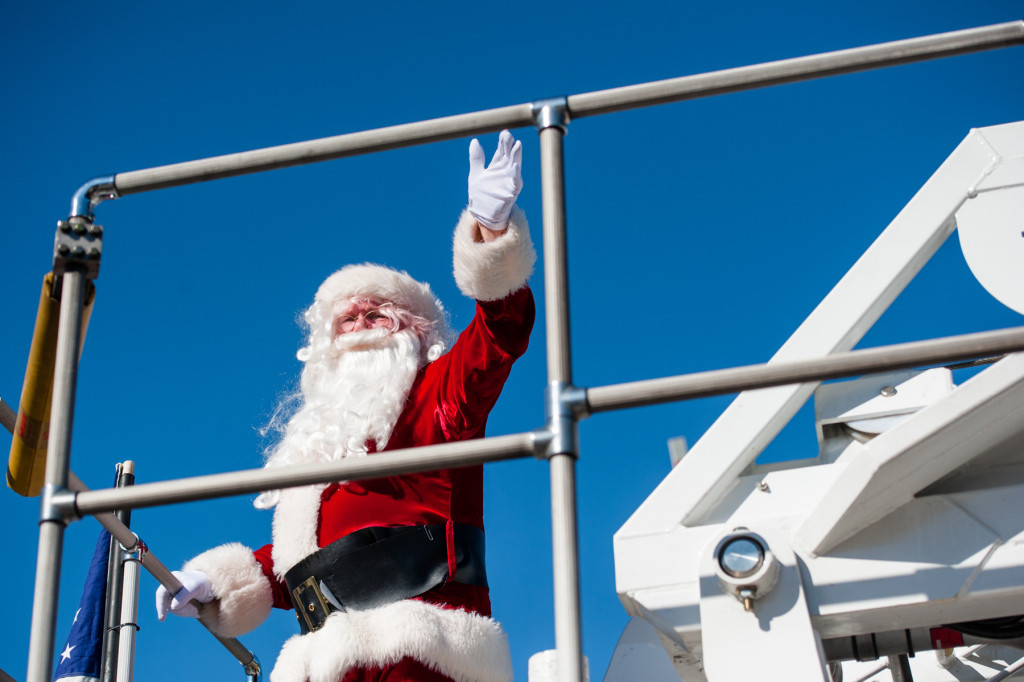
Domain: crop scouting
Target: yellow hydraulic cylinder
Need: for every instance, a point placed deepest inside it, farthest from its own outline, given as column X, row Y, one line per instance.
column 27, row 464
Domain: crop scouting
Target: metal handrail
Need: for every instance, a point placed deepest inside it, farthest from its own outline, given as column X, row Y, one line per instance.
column 798, row 69
column 406, row 460
column 835, row 366
column 559, row 436
column 579, row 105
column 599, row 399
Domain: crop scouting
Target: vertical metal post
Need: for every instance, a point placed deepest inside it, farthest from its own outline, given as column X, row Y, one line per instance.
column 115, row 580
column 51, row 526
column 552, row 117
column 568, row 635
column 128, row 618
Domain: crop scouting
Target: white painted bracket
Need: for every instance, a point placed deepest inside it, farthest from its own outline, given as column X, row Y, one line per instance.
column 641, row 654
column 991, row 222
column 774, row 640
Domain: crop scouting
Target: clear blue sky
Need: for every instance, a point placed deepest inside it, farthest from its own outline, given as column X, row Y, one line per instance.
column 701, row 234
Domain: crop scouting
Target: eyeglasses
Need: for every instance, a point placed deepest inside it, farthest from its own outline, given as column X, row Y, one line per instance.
column 371, row 318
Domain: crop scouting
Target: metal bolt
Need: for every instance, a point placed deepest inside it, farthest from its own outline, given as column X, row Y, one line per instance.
column 63, row 249
column 78, row 252
column 311, row 608
column 888, row 391
column 96, row 230
column 763, row 486
column 747, row 595
column 64, row 227
column 94, row 252
column 79, row 228
column 741, row 557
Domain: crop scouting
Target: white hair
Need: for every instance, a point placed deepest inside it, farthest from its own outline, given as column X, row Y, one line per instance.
column 412, row 300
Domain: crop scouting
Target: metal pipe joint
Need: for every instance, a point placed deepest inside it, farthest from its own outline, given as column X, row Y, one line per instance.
column 58, row 504
column 137, row 550
column 78, row 244
column 565, row 406
column 253, row 670
column 552, row 112
column 91, row 194
column 541, row 440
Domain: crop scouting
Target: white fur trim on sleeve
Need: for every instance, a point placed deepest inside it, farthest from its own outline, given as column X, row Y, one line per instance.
column 466, row 647
column 243, row 595
column 490, row 271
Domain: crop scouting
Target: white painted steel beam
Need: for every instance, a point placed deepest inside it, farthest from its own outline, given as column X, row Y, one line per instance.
column 709, row 471
column 938, row 559
column 979, row 416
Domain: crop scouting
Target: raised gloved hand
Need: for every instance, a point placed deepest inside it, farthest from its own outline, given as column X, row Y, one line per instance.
column 195, row 585
column 493, row 190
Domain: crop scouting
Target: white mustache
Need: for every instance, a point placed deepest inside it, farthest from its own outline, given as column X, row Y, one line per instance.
column 361, row 340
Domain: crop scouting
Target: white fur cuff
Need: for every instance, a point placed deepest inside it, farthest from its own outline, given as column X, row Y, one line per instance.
column 490, row 271
column 466, row 647
column 244, row 598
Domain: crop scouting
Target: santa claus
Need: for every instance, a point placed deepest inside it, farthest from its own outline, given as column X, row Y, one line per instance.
column 387, row 576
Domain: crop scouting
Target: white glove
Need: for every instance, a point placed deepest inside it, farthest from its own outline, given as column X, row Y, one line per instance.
column 493, row 190
column 195, row 585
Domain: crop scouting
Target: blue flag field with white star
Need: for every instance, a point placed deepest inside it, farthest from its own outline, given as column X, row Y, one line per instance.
column 80, row 657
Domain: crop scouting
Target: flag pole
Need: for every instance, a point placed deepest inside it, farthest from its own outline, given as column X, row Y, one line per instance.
column 115, row 580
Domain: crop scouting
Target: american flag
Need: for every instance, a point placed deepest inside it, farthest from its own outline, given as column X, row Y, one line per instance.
column 80, row 658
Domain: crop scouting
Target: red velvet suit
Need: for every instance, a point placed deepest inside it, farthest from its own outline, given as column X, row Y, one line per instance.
column 446, row 633
column 449, row 401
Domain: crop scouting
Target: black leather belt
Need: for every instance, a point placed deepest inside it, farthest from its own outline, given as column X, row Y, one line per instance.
column 377, row 566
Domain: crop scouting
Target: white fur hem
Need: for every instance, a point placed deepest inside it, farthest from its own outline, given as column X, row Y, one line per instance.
column 296, row 518
column 244, row 597
column 490, row 271
column 466, row 647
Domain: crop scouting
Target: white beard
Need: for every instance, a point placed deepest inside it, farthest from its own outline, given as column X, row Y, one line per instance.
column 350, row 398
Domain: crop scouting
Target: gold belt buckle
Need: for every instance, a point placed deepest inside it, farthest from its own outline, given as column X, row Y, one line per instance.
column 307, row 607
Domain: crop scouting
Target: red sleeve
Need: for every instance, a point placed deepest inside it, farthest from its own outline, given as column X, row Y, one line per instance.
column 282, row 600
column 473, row 373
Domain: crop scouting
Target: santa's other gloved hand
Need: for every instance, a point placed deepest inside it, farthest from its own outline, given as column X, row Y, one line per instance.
column 493, row 190
column 195, row 585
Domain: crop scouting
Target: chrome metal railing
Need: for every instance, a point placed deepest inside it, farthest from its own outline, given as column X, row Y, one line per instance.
column 556, row 441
